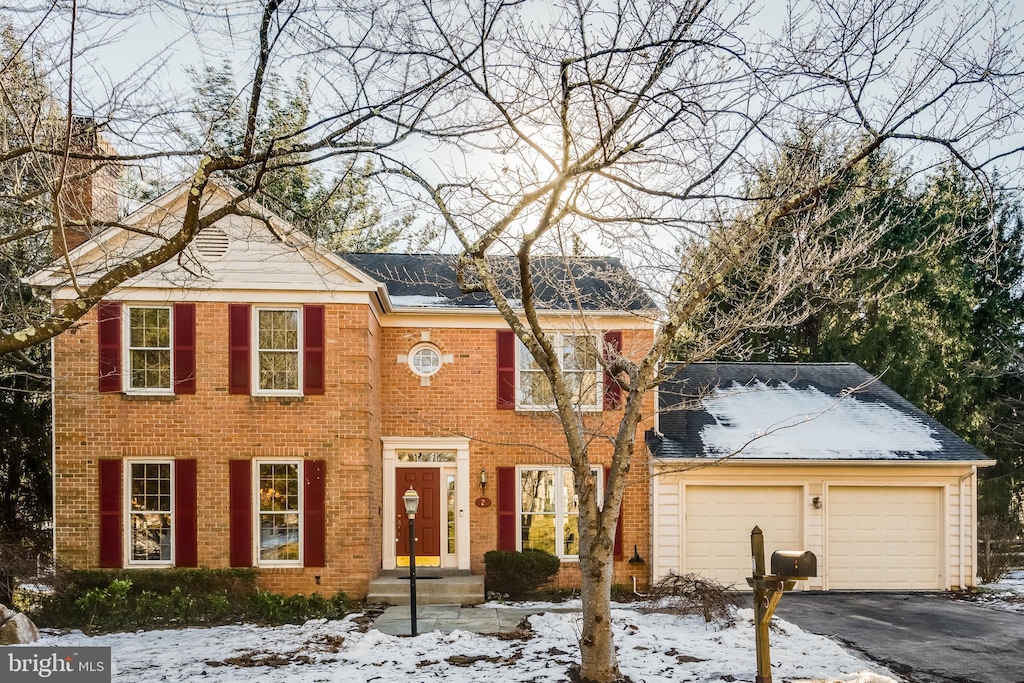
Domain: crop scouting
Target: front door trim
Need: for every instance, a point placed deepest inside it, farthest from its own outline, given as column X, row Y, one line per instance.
column 393, row 444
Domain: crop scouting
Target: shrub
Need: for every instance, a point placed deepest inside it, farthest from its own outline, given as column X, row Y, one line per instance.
column 998, row 548
column 692, row 594
column 118, row 599
column 516, row 574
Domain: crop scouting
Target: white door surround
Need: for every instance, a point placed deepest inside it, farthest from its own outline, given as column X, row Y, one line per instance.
column 392, row 445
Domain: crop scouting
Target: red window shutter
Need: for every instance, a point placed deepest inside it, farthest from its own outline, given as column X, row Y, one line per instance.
column 612, row 391
column 108, row 316
column 507, row 512
column 314, row 525
column 239, row 357
column 185, row 514
column 617, row 550
column 313, row 353
column 111, row 531
column 506, row 347
column 240, row 507
column 184, row 348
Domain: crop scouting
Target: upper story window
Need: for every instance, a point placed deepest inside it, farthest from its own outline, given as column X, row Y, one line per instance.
column 425, row 359
column 149, row 348
column 578, row 356
column 276, row 350
column 277, row 359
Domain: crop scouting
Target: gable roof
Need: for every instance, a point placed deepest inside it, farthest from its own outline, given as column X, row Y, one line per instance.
column 794, row 411
column 562, row 283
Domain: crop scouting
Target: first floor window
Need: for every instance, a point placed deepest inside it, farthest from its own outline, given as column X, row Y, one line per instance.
column 549, row 510
column 277, row 350
column 279, row 512
column 150, row 514
column 149, row 348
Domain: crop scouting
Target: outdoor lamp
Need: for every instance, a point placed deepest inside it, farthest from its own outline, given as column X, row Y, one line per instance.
column 412, row 502
column 483, row 481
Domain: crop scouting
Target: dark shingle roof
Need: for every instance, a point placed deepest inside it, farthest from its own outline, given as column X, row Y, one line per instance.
column 683, row 402
column 428, row 280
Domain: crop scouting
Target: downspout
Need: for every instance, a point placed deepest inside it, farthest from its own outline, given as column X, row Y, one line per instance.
column 53, row 458
column 963, row 531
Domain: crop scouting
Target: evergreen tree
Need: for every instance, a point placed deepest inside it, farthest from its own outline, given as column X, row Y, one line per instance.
column 339, row 208
column 942, row 322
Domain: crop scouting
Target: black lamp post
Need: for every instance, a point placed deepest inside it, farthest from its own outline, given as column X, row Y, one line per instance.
column 412, row 503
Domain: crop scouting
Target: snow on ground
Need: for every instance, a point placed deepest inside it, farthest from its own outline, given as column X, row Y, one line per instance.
column 653, row 648
column 1006, row 594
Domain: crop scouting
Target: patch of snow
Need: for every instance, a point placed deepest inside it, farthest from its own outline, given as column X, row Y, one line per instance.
column 1007, row 594
column 761, row 421
column 419, row 300
column 654, row 648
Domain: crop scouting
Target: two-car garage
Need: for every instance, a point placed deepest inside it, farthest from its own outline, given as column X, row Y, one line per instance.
column 822, row 457
column 867, row 535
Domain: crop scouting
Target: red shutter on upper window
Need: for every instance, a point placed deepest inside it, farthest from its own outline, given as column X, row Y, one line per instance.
column 506, row 347
column 314, row 525
column 612, row 391
column 184, row 348
column 240, row 509
column 239, row 357
column 185, row 514
column 617, row 551
column 507, row 508
column 108, row 317
column 111, row 533
column 313, row 352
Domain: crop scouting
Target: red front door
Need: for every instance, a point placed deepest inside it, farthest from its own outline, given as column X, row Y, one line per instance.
column 427, row 483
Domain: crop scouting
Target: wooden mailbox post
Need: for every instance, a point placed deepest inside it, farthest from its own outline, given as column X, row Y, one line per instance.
column 788, row 567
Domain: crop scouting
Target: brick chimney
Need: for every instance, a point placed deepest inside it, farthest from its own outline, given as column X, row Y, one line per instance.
column 90, row 199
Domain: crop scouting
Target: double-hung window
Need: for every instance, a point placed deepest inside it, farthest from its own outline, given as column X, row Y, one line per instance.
column 581, row 368
column 277, row 359
column 279, row 513
column 150, row 513
column 549, row 510
column 148, row 349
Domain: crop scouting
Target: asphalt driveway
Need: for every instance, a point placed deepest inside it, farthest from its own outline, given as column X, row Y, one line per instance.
column 925, row 637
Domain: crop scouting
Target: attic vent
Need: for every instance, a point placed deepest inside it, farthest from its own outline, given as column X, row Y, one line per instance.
column 212, row 243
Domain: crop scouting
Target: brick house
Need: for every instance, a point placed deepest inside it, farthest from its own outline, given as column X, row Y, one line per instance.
column 261, row 402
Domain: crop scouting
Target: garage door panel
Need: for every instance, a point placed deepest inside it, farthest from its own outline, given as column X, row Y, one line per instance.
column 884, row 537
column 719, row 520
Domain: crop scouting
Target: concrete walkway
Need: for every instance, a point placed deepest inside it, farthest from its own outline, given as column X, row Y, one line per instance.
column 395, row 620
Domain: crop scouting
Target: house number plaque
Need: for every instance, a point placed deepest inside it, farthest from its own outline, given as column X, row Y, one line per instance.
column 483, row 502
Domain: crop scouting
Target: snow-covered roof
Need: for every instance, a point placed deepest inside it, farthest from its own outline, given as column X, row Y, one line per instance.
column 794, row 411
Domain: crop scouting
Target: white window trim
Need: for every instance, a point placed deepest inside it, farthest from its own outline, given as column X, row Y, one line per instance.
column 598, row 405
column 126, row 351
column 411, row 360
column 256, row 513
column 126, row 498
column 254, row 361
column 560, row 471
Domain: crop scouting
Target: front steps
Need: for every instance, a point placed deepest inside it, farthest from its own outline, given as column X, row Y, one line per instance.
column 433, row 587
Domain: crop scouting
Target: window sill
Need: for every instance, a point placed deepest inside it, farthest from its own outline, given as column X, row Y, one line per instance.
column 160, row 398
column 283, row 400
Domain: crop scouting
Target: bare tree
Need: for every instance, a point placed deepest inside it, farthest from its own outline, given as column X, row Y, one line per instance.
column 646, row 128
column 71, row 144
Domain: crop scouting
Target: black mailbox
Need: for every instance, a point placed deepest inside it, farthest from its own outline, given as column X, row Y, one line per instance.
column 794, row 563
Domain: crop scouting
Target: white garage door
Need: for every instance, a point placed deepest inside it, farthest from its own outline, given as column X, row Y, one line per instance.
column 884, row 538
column 718, row 524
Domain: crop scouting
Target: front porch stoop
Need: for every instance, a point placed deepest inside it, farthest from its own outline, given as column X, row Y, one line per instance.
column 433, row 587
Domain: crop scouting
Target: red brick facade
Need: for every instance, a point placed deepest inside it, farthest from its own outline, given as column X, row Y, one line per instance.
column 368, row 394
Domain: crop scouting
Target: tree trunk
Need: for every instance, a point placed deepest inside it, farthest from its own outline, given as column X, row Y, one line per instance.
column 597, row 651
